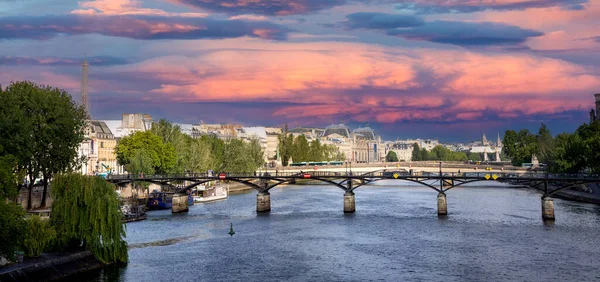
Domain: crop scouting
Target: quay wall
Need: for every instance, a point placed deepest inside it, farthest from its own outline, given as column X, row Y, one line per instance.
column 50, row 267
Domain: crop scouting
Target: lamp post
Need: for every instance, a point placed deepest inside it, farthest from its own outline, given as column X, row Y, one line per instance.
column 441, row 179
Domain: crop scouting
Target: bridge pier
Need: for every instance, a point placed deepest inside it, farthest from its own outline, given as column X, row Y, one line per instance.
column 263, row 202
column 442, row 205
column 547, row 208
column 349, row 202
column 180, row 203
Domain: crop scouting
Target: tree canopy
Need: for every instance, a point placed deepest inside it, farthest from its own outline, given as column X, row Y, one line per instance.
column 86, row 210
column 149, row 146
column 567, row 152
column 46, row 128
column 391, row 157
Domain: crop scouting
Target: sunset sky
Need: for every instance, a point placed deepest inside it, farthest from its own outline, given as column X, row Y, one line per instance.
column 447, row 69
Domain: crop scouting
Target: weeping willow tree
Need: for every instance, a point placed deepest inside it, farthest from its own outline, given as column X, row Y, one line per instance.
column 86, row 212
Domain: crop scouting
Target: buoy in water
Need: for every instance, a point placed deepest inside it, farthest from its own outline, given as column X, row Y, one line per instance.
column 231, row 230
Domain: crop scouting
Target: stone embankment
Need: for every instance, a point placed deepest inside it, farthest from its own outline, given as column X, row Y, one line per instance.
column 49, row 267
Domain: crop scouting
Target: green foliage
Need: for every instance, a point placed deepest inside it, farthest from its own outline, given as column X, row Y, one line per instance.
column 255, row 153
column 200, row 158
column 86, row 210
column 46, row 127
column 440, row 153
column 545, row 144
column 332, row 153
column 315, row 153
column 140, row 162
column 286, row 144
column 236, row 157
column 217, row 148
column 475, row 157
column 301, row 150
column 12, row 229
column 39, row 233
column 520, row 146
column 416, row 153
column 8, row 178
column 569, row 154
column 149, row 144
column 171, row 135
column 391, row 157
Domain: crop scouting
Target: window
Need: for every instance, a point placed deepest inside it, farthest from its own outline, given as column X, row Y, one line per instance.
column 101, row 144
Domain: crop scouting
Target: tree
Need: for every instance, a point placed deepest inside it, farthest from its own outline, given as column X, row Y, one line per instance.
column 416, row 153
column 256, row 153
column 171, row 134
column 286, row 144
column 545, row 144
column 9, row 181
column 520, row 146
column 39, row 233
column 13, row 229
column 476, row 157
column 140, row 162
column 48, row 127
column 569, row 154
column 391, row 157
column 300, row 151
column 200, row 156
column 163, row 155
column 332, row 153
column 315, row 153
column 236, row 158
column 217, row 148
column 86, row 212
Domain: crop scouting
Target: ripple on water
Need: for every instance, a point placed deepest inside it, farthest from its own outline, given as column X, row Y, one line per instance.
column 490, row 234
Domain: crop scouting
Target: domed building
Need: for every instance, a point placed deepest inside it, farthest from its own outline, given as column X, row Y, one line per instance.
column 340, row 136
column 366, row 145
column 360, row 145
column 341, row 130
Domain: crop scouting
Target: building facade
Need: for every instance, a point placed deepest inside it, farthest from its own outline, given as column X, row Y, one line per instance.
column 595, row 115
column 402, row 149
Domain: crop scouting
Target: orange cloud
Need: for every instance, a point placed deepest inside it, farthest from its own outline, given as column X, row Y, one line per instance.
column 384, row 83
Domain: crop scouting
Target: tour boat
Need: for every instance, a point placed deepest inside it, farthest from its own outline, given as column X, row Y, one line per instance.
column 204, row 194
column 164, row 200
column 160, row 200
column 133, row 213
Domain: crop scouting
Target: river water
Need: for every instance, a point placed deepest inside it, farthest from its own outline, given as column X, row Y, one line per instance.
column 492, row 233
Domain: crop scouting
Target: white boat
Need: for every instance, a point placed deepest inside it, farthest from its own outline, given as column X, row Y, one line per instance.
column 212, row 193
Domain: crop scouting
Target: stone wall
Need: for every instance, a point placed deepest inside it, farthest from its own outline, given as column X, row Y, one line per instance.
column 36, row 197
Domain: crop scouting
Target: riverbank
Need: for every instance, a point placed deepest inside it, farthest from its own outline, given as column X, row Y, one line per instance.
column 49, row 267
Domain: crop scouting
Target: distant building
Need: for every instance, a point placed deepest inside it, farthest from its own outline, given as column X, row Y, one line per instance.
column 103, row 144
column 595, row 115
column 402, row 149
column 129, row 124
column 221, row 131
column 360, row 145
column 272, row 143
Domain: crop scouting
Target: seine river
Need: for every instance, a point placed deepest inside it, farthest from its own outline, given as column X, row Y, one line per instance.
column 492, row 233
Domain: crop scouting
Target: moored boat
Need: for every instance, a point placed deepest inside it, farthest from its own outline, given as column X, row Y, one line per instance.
column 158, row 200
column 204, row 194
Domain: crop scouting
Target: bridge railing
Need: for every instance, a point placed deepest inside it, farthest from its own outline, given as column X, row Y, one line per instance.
column 378, row 174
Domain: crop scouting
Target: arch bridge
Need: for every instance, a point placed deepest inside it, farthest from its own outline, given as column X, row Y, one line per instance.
column 546, row 183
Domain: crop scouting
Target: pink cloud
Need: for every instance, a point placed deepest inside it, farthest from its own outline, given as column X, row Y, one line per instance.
column 125, row 7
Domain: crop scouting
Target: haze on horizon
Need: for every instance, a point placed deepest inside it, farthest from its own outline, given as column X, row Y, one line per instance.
column 446, row 69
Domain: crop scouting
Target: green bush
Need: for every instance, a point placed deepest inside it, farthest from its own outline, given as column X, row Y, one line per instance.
column 12, row 229
column 86, row 210
column 38, row 236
